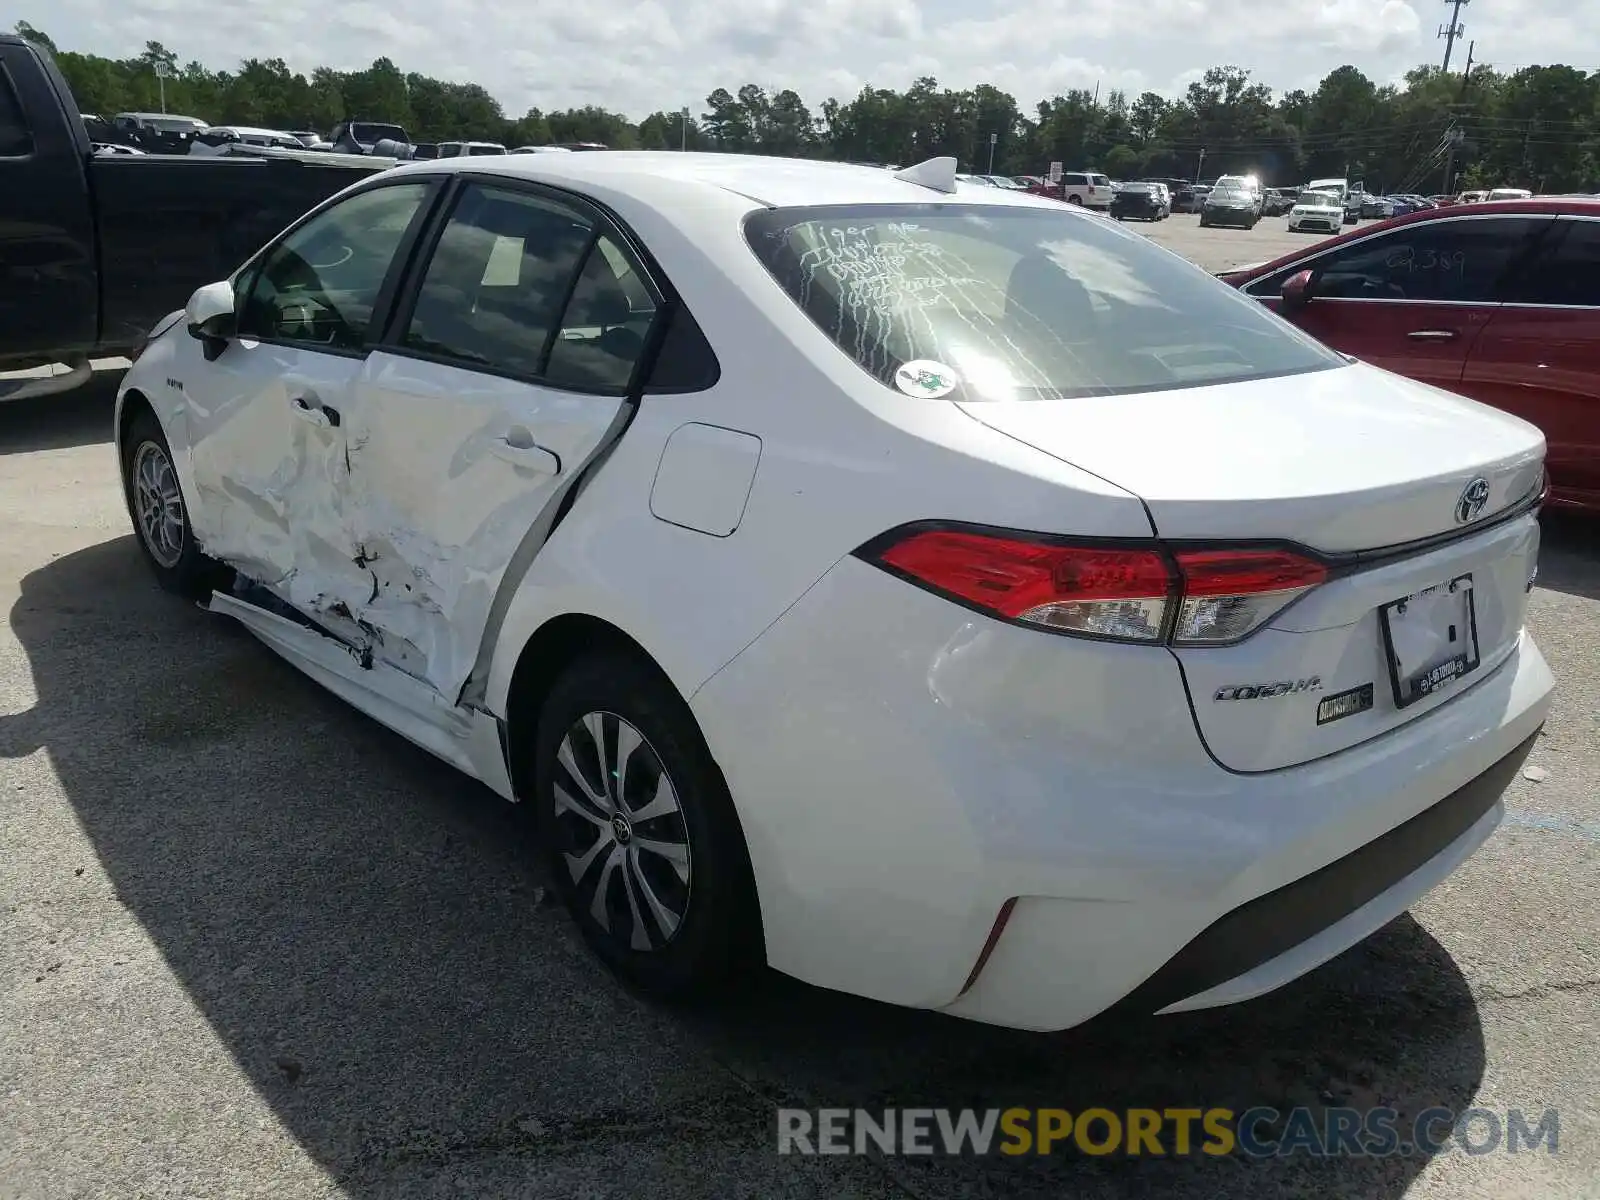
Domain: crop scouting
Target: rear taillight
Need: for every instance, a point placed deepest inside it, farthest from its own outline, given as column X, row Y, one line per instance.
column 1230, row 593
column 1125, row 592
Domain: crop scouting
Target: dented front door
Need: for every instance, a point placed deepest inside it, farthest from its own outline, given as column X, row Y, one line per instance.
column 267, row 423
column 507, row 377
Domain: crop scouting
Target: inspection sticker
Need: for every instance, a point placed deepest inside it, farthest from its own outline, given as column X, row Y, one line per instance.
column 926, row 378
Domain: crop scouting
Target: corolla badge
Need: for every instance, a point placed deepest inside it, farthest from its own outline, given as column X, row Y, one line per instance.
column 1474, row 497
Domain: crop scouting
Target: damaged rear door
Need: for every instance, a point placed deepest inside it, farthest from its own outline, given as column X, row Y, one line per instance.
column 506, row 372
column 266, row 419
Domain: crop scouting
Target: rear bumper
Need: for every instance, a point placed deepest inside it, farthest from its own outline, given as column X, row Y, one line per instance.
column 1258, row 946
column 904, row 771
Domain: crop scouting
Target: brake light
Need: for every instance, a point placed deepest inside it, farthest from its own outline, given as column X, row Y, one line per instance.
column 1132, row 593
column 1100, row 591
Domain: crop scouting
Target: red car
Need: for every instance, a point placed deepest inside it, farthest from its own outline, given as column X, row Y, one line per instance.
column 1499, row 302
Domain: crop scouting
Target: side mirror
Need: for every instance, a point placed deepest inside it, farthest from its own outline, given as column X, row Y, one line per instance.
column 1296, row 291
column 211, row 317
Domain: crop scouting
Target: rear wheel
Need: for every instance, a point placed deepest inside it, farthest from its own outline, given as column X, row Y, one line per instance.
column 639, row 832
column 1075, row 200
column 160, row 514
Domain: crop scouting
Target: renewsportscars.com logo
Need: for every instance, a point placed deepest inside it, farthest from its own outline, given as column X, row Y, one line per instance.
column 1218, row 1132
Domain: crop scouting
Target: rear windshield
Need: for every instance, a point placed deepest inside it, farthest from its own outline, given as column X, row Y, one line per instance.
column 994, row 301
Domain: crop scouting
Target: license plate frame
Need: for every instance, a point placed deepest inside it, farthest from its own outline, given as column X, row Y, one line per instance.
column 1412, row 682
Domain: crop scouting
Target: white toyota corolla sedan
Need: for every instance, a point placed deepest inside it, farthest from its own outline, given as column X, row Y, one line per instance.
column 936, row 592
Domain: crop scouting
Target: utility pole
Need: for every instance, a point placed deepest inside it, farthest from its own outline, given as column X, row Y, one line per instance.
column 993, row 138
column 1453, row 30
column 683, row 127
column 1201, row 166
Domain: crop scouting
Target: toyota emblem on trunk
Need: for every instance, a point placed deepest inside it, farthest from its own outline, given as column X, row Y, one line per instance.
column 1473, row 498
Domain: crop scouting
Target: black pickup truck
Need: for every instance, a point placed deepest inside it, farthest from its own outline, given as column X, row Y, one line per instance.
column 96, row 248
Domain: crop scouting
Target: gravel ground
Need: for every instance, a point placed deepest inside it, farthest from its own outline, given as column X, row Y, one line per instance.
column 252, row 944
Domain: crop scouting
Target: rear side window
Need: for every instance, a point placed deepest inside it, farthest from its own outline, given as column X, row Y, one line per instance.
column 1568, row 273
column 1074, row 180
column 497, row 281
column 605, row 327
column 1455, row 261
column 996, row 302
column 16, row 139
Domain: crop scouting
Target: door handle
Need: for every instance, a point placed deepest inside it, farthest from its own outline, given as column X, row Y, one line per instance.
column 309, row 408
column 1433, row 335
column 520, row 450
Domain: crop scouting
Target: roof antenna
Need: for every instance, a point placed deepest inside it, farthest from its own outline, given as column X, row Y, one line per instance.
column 936, row 173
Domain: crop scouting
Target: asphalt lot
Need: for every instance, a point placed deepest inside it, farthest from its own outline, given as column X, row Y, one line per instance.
column 253, row 944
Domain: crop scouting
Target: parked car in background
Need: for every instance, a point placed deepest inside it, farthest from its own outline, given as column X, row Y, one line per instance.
column 1316, row 212
column 1249, row 184
column 218, row 139
column 1274, row 203
column 1509, row 194
column 537, row 150
column 158, row 133
column 1375, row 208
column 1473, row 197
column 310, row 139
column 368, row 137
column 469, row 149
column 1004, row 181
column 1191, row 198
column 1088, row 188
column 1140, row 202
column 1227, row 204
column 116, row 240
column 1499, row 302
column 941, row 709
column 975, row 180
column 1401, row 206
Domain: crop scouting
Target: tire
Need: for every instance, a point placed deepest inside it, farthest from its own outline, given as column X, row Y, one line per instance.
column 700, row 920
column 150, row 481
column 1078, row 200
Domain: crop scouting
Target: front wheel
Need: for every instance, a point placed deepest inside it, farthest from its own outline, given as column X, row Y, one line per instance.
column 639, row 831
column 160, row 514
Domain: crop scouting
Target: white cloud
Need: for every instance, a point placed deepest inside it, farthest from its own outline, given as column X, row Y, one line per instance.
column 641, row 55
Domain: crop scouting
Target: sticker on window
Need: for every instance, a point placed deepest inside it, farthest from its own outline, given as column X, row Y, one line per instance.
column 925, row 378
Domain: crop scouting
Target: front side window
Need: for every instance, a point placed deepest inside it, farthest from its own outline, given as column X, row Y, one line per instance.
column 495, row 287
column 1567, row 273
column 1019, row 303
column 1456, row 261
column 319, row 285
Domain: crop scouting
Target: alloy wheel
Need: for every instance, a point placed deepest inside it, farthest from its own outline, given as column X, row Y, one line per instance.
column 158, row 504
column 624, row 841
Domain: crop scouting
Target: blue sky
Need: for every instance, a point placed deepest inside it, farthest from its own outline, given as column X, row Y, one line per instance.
column 639, row 55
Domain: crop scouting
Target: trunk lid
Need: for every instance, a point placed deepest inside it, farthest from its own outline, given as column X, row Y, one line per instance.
column 1344, row 462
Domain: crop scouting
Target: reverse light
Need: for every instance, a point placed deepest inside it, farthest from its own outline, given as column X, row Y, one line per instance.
column 1141, row 592
column 1230, row 593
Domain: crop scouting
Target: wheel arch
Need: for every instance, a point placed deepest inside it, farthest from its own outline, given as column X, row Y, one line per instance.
column 554, row 647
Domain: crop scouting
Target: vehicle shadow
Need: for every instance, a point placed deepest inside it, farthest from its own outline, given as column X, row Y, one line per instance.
column 81, row 417
column 1569, row 554
column 362, row 930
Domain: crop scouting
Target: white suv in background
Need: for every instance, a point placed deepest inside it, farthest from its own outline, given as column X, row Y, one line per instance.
column 1089, row 188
